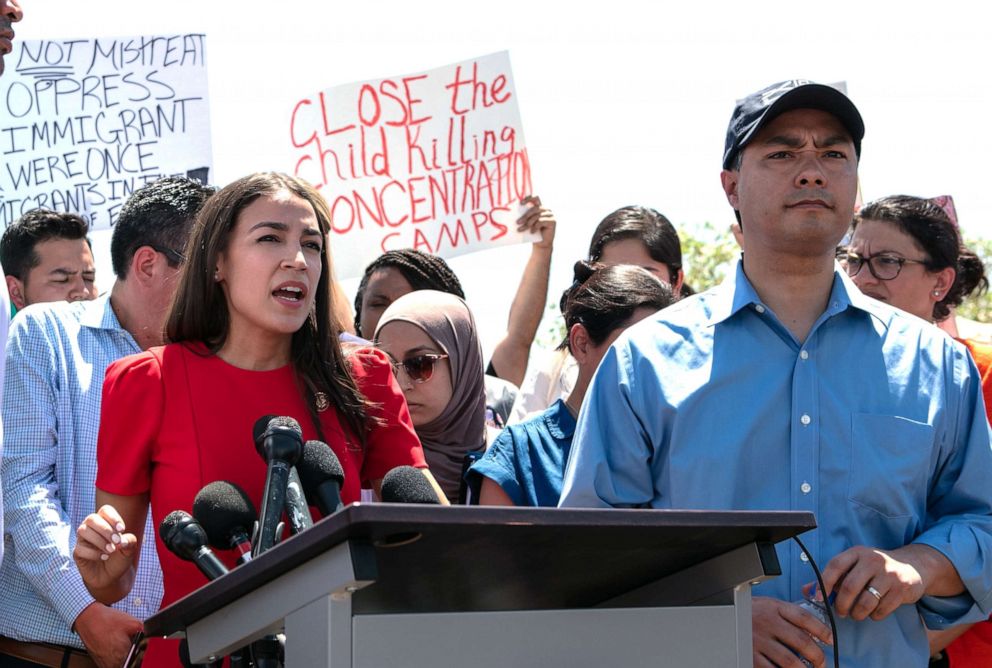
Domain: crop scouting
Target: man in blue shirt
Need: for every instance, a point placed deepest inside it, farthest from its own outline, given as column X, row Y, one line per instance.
column 56, row 358
column 786, row 388
column 10, row 13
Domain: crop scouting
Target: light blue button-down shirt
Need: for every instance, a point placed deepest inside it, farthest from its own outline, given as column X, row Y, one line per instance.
column 4, row 322
column 57, row 354
column 875, row 423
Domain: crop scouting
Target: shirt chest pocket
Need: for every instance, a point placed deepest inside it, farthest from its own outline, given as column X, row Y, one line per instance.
column 890, row 464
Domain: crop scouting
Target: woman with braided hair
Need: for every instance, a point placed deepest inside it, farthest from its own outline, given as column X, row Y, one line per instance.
column 394, row 274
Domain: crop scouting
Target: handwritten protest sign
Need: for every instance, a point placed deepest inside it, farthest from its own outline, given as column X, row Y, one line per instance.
column 434, row 161
column 85, row 122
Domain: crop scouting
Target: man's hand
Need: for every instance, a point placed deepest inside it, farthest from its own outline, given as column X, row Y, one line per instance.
column 106, row 633
column 781, row 630
column 870, row 582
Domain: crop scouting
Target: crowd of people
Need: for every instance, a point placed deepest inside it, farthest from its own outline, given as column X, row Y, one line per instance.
column 816, row 377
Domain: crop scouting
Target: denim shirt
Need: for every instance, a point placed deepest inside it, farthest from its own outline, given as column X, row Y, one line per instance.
column 875, row 423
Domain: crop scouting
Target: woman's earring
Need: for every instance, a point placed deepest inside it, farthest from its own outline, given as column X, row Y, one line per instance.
column 216, row 275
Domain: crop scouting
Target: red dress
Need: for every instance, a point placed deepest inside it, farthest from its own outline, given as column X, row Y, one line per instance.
column 974, row 647
column 176, row 418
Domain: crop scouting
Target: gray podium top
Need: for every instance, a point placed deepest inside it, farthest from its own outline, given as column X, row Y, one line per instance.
column 454, row 559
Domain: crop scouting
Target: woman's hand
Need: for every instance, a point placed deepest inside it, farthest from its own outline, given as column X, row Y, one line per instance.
column 538, row 219
column 105, row 554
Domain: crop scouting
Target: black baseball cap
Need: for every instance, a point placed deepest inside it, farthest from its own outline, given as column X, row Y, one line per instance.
column 758, row 109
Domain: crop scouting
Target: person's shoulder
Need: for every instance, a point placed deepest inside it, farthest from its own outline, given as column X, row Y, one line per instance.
column 367, row 363
column 675, row 326
column 692, row 311
column 146, row 364
column 53, row 316
column 980, row 350
column 905, row 333
column 903, row 325
column 535, row 424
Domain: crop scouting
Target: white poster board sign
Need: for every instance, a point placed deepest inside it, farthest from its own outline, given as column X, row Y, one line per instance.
column 86, row 122
column 434, row 161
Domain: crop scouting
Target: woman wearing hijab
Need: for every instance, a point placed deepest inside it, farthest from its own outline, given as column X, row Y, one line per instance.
column 431, row 340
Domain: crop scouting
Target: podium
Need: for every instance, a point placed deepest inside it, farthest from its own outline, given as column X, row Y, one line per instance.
column 383, row 585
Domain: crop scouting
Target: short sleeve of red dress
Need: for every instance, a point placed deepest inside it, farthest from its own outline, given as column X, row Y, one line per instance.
column 392, row 440
column 130, row 419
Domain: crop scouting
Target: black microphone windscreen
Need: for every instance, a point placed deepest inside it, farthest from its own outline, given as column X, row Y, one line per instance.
column 318, row 465
column 266, row 421
column 261, row 424
column 170, row 524
column 406, row 484
column 222, row 509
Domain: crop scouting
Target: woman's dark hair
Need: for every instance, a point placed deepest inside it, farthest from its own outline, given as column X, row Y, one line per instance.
column 934, row 231
column 644, row 224
column 200, row 313
column 604, row 298
column 421, row 270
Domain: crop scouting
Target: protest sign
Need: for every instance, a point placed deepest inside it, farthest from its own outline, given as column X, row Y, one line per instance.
column 434, row 161
column 86, row 122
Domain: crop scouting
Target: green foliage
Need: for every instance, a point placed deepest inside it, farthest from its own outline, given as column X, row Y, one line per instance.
column 979, row 306
column 552, row 331
column 708, row 253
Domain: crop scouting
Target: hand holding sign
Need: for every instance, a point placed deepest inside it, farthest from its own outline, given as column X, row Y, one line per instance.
column 434, row 161
column 538, row 221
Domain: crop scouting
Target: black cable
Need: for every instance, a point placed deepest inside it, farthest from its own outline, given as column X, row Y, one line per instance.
column 826, row 601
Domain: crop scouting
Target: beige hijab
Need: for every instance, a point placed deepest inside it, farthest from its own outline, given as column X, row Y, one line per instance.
column 461, row 427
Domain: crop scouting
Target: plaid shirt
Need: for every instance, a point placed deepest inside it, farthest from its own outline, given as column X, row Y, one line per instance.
column 57, row 354
column 4, row 322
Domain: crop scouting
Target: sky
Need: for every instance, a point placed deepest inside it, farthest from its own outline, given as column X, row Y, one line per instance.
column 622, row 102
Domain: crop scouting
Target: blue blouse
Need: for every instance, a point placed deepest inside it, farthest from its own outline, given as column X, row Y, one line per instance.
column 528, row 459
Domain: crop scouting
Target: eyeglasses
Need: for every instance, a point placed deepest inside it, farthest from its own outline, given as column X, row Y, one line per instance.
column 883, row 266
column 173, row 256
column 420, row 368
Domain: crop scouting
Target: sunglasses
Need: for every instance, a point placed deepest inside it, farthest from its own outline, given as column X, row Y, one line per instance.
column 420, row 368
column 174, row 257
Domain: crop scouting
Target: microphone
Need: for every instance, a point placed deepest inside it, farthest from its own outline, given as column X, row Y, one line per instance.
column 184, row 536
column 280, row 444
column 322, row 476
column 227, row 515
column 296, row 506
column 406, row 484
column 297, row 509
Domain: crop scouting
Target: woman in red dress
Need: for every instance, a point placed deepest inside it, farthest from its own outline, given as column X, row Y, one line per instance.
column 251, row 334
